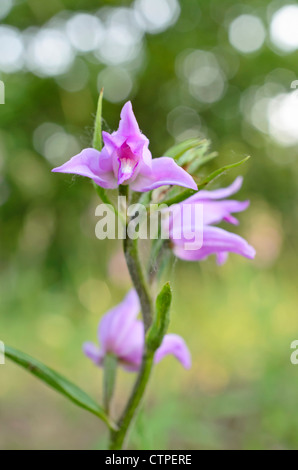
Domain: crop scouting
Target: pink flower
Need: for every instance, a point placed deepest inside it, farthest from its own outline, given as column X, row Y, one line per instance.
column 215, row 240
column 126, row 159
column 121, row 334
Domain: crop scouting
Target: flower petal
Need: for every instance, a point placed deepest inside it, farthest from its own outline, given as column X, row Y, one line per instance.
column 133, row 347
column 164, row 171
column 187, row 217
column 117, row 322
column 128, row 124
column 231, row 219
column 94, row 353
column 215, row 240
column 174, row 344
column 222, row 257
column 218, row 193
column 112, row 141
column 92, row 164
column 216, row 211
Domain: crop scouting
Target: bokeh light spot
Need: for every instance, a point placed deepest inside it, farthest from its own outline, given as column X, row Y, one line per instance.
column 5, row 7
column 49, row 53
column 183, row 123
column 204, row 75
column 12, row 49
column 123, row 38
column 284, row 28
column 94, row 295
column 156, row 16
column 54, row 143
column 247, row 33
column 84, row 31
column 76, row 78
column 283, row 118
column 116, row 82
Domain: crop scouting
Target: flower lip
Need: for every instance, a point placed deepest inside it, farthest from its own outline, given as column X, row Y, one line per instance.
column 128, row 162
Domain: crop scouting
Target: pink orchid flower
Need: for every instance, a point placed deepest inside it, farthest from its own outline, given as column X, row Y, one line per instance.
column 121, row 334
column 215, row 240
column 126, row 159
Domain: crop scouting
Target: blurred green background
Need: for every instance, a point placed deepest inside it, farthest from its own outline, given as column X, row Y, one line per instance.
column 221, row 70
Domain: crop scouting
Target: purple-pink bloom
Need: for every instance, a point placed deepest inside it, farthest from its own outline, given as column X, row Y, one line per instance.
column 215, row 240
column 126, row 159
column 121, row 334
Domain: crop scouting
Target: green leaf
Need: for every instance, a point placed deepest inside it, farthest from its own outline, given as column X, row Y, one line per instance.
column 97, row 139
column 57, row 382
column 192, row 154
column 212, row 177
column 198, row 163
column 162, row 318
column 221, row 171
column 179, row 149
column 97, row 144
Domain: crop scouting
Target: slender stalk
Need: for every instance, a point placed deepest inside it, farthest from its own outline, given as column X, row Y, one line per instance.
column 124, row 191
column 135, row 269
column 117, row 438
column 155, row 265
column 139, row 280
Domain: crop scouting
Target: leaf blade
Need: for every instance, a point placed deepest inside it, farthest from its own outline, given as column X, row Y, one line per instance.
column 57, row 382
column 222, row 171
column 212, row 177
column 97, row 139
column 161, row 320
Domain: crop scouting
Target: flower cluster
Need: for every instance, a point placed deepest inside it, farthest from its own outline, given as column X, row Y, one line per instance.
column 125, row 159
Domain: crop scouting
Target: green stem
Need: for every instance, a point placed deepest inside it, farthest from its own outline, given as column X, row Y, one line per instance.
column 136, row 271
column 139, row 280
column 155, row 266
column 110, row 370
column 124, row 191
column 117, row 437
